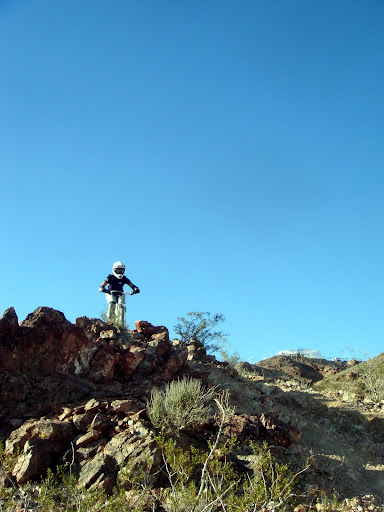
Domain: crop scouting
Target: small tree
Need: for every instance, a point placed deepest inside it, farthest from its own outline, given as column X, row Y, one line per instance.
column 200, row 326
column 232, row 359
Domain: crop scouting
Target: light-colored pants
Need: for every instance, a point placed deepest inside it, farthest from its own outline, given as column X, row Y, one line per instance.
column 113, row 299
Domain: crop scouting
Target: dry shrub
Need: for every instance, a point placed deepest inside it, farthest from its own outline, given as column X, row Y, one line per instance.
column 179, row 405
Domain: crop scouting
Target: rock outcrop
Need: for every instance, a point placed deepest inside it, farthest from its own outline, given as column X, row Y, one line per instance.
column 77, row 394
column 47, row 361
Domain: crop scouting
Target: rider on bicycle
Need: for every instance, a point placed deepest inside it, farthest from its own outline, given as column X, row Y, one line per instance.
column 116, row 282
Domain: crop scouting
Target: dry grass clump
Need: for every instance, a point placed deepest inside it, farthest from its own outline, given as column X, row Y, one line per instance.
column 179, row 405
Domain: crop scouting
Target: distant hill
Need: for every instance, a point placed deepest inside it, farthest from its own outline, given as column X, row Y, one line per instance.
column 362, row 382
column 299, row 369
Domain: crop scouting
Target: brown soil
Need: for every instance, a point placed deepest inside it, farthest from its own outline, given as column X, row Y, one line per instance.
column 341, row 440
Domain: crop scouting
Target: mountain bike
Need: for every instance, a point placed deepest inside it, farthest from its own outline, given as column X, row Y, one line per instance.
column 120, row 310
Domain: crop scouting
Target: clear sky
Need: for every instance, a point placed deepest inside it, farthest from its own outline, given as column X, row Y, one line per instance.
column 229, row 152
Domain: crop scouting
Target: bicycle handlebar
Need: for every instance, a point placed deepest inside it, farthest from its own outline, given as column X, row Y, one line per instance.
column 120, row 292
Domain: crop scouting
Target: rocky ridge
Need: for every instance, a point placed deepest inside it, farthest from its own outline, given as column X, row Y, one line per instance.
column 77, row 393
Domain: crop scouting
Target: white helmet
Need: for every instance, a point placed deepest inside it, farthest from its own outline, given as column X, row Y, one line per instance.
column 118, row 269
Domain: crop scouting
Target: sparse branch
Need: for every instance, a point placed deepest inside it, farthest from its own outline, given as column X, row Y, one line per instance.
column 15, row 488
column 199, row 325
column 223, row 415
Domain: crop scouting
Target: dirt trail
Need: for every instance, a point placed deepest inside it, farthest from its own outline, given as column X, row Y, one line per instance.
column 343, row 441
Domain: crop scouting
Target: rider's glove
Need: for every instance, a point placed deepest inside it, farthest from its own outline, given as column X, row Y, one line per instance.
column 101, row 289
column 136, row 290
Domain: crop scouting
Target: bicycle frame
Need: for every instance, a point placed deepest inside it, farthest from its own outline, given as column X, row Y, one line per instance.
column 120, row 307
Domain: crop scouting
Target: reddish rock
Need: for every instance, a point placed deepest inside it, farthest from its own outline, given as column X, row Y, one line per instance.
column 9, row 321
column 42, row 441
column 110, row 334
column 38, row 457
column 99, row 472
column 44, row 343
column 126, row 407
column 100, row 422
column 83, row 421
column 58, row 432
column 173, row 364
column 130, row 360
column 44, row 316
column 104, row 363
column 48, row 361
column 67, row 413
column 13, row 392
column 159, row 346
column 93, row 326
column 277, row 432
column 138, row 446
column 196, row 351
column 160, row 333
column 144, row 327
column 89, row 450
column 149, row 365
column 243, row 427
column 89, row 437
column 156, row 333
column 92, row 405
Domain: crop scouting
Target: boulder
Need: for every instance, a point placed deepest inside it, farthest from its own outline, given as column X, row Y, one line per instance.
column 104, row 363
column 130, row 360
column 173, row 364
column 92, row 405
column 90, row 449
column 53, row 430
column 34, row 462
column 137, row 447
column 9, row 320
column 100, row 422
column 93, row 327
column 41, row 441
column 243, row 427
column 126, row 407
column 99, row 472
column 160, row 333
column 277, row 432
column 83, row 421
column 144, row 327
column 101, row 465
column 88, row 438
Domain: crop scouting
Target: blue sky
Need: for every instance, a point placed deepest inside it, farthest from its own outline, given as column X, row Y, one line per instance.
column 229, row 153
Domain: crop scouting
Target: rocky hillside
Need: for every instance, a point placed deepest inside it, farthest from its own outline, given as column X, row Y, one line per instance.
column 77, row 393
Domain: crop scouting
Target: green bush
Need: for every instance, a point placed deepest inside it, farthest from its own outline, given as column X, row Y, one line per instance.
column 179, row 405
column 221, row 486
column 231, row 359
column 199, row 326
column 196, row 481
column 371, row 374
column 363, row 380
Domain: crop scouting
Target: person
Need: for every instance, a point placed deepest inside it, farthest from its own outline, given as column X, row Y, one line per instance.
column 116, row 282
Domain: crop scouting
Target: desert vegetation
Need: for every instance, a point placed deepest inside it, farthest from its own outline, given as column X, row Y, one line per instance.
column 361, row 381
column 111, row 420
column 179, row 405
column 195, row 480
column 201, row 326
